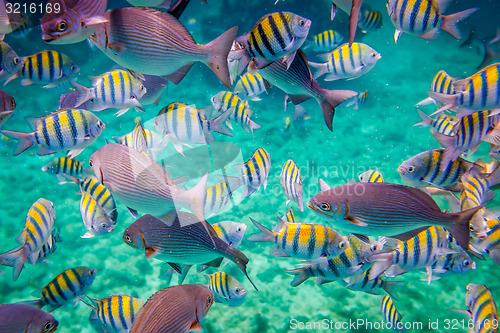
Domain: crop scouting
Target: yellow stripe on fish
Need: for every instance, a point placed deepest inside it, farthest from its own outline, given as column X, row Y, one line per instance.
column 292, row 183
column 327, row 41
column 481, row 308
column 226, row 289
column 64, row 165
column 47, row 67
column 217, row 198
column 241, row 113
column 251, row 85
column 371, row 176
column 95, row 218
column 391, row 314
column 116, row 312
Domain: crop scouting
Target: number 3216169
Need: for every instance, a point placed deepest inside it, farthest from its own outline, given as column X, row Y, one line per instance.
column 32, row 8
column 454, row 324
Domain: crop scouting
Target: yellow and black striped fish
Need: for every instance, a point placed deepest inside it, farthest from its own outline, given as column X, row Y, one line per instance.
column 444, row 124
column 326, row 41
column 371, row 176
column 240, row 112
column 292, row 183
column 143, row 140
column 478, row 92
column 64, row 129
column 274, row 36
column 491, row 244
column 65, row 287
column 230, row 232
column 443, row 84
column 116, row 313
column 251, row 85
column 226, row 289
column 46, row 67
column 391, row 314
column 481, row 308
column 370, row 20
column 64, row 165
column 217, row 198
column 95, row 218
column 301, row 240
column 289, row 216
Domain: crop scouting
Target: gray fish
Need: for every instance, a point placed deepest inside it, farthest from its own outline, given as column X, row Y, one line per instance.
column 298, row 83
column 176, row 309
column 152, row 42
column 21, row 318
column 185, row 242
column 10, row 62
column 7, row 106
column 154, row 88
column 388, row 210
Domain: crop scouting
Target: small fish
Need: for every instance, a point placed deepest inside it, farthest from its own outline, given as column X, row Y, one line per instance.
column 253, row 173
column 297, row 82
column 481, row 308
column 46, row 67
column 470, row 131
column 359, row 100
column 287, row 124
column 326, row 41
column 240, row 112
column 443, row 84
column 430, row 169
column 154, row 89
column 116, row 313
column 490, row 244
column 299, row 117
column 230, row 232
column 50, row 246
column 275, row 36
column 95, row 219
column 370, row 20
column 386, row 209
column 444, row 124
column 74, row 22
column 233, row 64
column 217, row 198
column 10, row 62
column 345, row 265
column 64, row 166
column 7, row 106
column 141, row 184
column 346, row 62
column 181, row 239
column 61, row 130
column 301, row 240
column 152, row 42
column 478, row 92
column 143, row 140
column 68, row 100
column 250, row 86
column 177, row 309
column 36, row 233
column 226, row 289
column 187, row 124
column 376, row 286
column 21, row 318
column 114, row 89
column 371, row 176
column 292, row 183
column 391, row 314
column 457, row 263
column 423, row 18
column 68, row 285
column 421, row 251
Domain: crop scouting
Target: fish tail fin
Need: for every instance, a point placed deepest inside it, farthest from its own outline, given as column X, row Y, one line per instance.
column 38, row 303
column 194, row 198
column 330, row 100
column 426, row 101
column 460, row 228
column 448, row 101
column 300, row 275
column 426, row 120
column 265, row 235
column 391, row 288
column 16, row 259
column 382, row 261
column 489, row 55
column 219, row 124
column 26, row 140
column 241, row 260
column 450, row 22
column 217, row 56
column 447, row 141
column 84, row 94
column 317, row 69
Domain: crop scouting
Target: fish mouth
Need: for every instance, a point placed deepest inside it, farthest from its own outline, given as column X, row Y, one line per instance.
column 311, row 205
column 48, row 38
column 402, row 170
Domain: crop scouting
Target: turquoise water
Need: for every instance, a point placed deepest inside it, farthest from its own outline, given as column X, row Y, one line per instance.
column 378, row 135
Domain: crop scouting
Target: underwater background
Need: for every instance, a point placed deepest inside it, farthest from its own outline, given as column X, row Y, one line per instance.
column 379, row 136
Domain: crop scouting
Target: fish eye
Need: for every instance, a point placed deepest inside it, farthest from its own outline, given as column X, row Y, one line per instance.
column 103, row 225
column 302, row 23
column 141, row 87
column 91, row 163
column 91, row 272
column 73, row 67
column 61, row 26
column 373, row 248
column 471, row 227
column 342, row 245
column 466, row 263
column 16, row 60
column 238, row 229
column 209, row 300
column 132, row 97
column 411, row 169
column 325, row 206
column 91, row 100
column 128, row 239
column 47, row 327
column 374, row 54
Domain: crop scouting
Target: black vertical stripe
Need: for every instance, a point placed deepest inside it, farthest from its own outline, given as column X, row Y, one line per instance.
column 39, row 66
column 265, row 40
column 57, row 128
column 287, row 27
column 59, row 290
column 69, row 283
column 254, row 45
column 50, row 56
column 74, row 130
column 276, row 32
column 312, row 242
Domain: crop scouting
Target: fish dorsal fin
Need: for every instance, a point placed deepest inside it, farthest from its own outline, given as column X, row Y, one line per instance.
column 323, row 186
column 303, row 57
column 280, row 225
column 440, row 5
column 171, row 23
column 460, row 84
column 32, row 122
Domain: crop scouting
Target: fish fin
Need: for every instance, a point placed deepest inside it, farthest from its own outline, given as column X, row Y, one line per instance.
column 89, row 234
column 196, row 327
column 42, row 151
column 492, row 137
column 26, row 82
column 265, row 235
column 84, row 94
column 132, row 212
column 117, row 47
column 397, row 34
column 447, row 141
column 150, row 252
column 95, row 20
column 321, row 281
column 51, row 85
column 288, row 59
column 218, row 51
column 184, row 270
column 391, row 288
column 448, row 101
column 177, row 77
column 278, row 252
column 431, row 34
column 13, row 77
column 323, row 57
column 317, row 69
column 241, row 260
column 219, row 126
column 166, row 274
column 426, row 101
column 298, row 99
column 362, row 238
column 489, row 56
column 15, row 258
column 33, row 257
column 75, row 152
column 395, row 270
column 330, row 99
column 38, row 303
column 426, row 120
column 253, row 125
column 353, row 221
column 243, row 59
column 299, row 274
column 26, row 140
column 333, row 12
column 122, row 112
column 194, row 198
column 450, row 22
column 259, row 63
column 460, row 228
column 462, row 312
column 176, row 267
column 232, row 182
column 323, row 186
column 410, row 234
